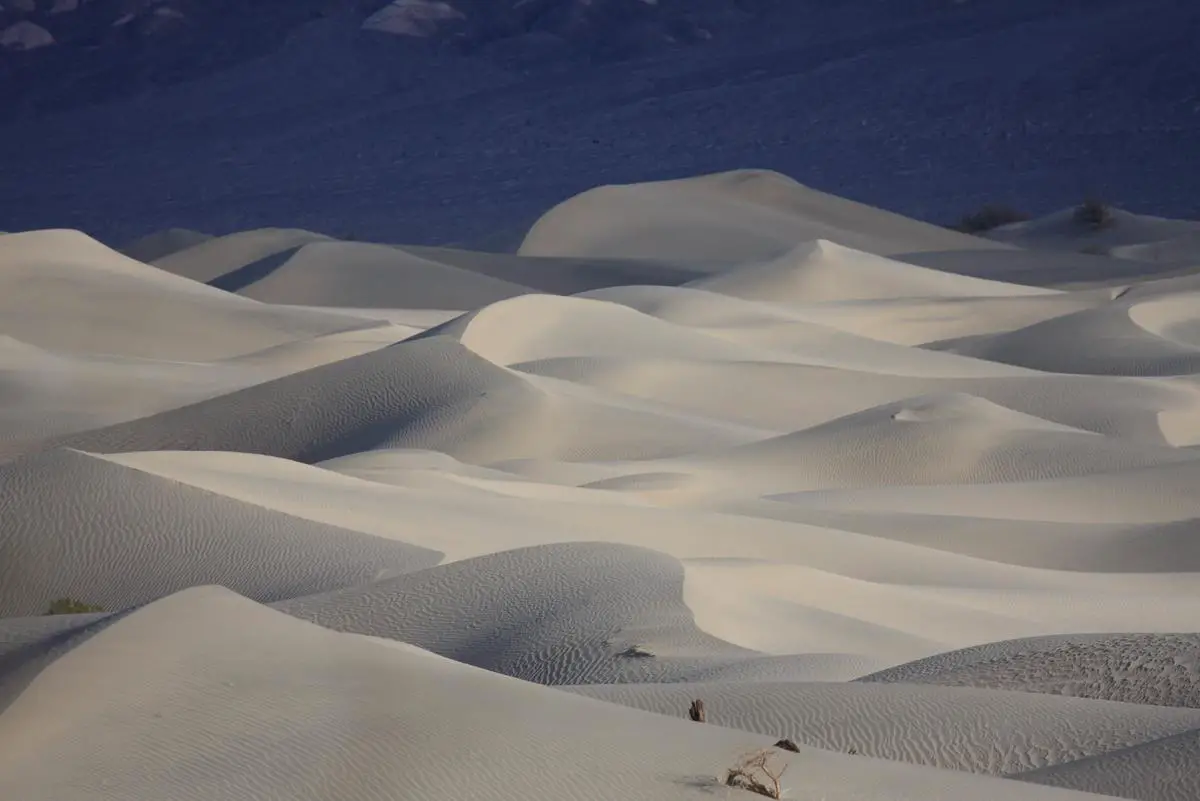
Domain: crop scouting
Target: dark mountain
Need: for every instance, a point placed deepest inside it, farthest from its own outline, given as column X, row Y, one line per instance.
column 458, row 121
column 62, row 53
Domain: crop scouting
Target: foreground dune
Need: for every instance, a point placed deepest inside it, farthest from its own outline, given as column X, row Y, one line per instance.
column 265, row 699
column 371, row 521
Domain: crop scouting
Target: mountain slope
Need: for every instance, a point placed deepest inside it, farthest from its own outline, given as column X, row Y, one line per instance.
column 930, row 109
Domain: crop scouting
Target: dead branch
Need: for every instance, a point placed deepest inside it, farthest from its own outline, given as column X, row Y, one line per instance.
column 754, row 772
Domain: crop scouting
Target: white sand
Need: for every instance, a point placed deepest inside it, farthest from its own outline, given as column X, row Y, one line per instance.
column 725, row 438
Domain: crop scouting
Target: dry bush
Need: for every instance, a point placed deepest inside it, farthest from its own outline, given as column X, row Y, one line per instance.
column 989, row 217
column 1094, row 214
column 754, row 772
column 636, row 652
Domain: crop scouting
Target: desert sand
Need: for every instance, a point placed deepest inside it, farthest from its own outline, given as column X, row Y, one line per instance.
column 373, row 521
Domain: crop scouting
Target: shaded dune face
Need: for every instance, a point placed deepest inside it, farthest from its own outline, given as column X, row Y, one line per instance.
column 427, row 522
column 109, row 520
column 562, row 614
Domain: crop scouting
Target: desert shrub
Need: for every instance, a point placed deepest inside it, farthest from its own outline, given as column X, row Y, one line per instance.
column 69, row 606
column 989, row 217
column 1094, row 214
column 636, row 652
column 754, row 772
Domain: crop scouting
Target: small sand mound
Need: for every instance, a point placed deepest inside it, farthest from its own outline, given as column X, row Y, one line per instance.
column 534, row 327
column 359, row 275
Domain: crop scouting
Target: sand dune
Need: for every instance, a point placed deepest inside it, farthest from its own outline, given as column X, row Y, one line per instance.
column 1160, row 770
column 536, row 327
column 1160, row 669
column 288, row 736
column 120, row 536
column 588, row 613
column 1064, row 230
column 743, row 215
column 1156, row 494
column 62, row 290
column 1130, row 547
column 824, row 591
column 567, row 275
column 763, row 393
column 160, row 244
column 214, row 258
column 304, row 268
column 803, row 332
column 1122, row 340
column 975, row 730
column 850, row 478
column 429, row 393
column 359, row 275
column 1051, row 269
column 49, row 394
column 1184, row 249
column 942, row 439
column 821, row 272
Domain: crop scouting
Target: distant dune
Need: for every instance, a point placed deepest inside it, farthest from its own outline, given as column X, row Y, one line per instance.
column 374, row 520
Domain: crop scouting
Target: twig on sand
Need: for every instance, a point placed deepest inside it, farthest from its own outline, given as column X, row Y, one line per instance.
column 754, row 772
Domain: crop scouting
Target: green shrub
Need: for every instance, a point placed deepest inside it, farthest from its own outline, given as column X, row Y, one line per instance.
column 69, row 606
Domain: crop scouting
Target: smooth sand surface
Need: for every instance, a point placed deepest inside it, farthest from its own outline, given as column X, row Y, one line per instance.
column 370, row 521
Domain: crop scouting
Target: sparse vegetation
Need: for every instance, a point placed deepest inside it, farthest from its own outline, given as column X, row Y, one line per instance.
column 636, row 652
column 1094, row 214
column 69, row 606
column 696, row 711
column 755, row 773
column 989, row 217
